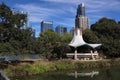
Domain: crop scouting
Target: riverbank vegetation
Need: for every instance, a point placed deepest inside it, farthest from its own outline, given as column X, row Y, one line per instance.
column 39, row 67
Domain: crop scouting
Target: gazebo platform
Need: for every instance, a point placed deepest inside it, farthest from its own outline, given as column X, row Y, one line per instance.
column 84, row 56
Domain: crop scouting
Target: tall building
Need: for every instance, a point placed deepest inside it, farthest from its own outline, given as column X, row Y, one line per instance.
column 33, row 32
column 46, row 25
column 60, row 30
column 72, row 30
column 81, row 9
column 81, row 20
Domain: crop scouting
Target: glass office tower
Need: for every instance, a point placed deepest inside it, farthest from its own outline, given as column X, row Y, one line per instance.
column 60, row 30
column 46, row 25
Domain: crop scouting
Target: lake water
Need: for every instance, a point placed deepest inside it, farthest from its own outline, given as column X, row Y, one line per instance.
column 19, row 57
column 84, row 74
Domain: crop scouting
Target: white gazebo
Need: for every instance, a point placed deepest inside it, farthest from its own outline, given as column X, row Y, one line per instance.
column 78, row 41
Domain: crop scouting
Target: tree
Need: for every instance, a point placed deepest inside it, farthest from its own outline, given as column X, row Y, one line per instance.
column 48, row 41
column 9, row 21
column 108, row 31
column 14, row 39
column 63, row 47
column 90, row 37
column 5, row 20
column 53, row 46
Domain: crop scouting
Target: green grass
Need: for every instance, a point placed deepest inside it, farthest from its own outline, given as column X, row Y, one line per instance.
column 42, row 67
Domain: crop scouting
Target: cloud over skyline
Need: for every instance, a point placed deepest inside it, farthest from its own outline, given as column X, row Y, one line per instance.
column 64, row 11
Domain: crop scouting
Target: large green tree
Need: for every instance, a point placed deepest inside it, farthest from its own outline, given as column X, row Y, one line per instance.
column 108, row 31
column 48, row 41
column 63, row 47
column 90, row 37
column 53, row 46
column 9, row 20
column 14, row 39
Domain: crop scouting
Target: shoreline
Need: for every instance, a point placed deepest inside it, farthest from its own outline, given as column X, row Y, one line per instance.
column 41, row 66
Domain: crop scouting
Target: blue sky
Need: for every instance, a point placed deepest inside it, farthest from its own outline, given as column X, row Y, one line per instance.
column 63, row 12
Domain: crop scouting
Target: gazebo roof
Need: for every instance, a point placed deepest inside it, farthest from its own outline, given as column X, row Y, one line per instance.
column 78, row 40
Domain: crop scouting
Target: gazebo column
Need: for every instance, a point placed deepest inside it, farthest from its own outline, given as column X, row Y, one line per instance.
column 92, row 55
column 75, row 56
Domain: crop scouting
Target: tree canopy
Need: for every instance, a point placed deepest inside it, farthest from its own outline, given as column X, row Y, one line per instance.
column 14, row 39
column 53, row 45
column 108, row 31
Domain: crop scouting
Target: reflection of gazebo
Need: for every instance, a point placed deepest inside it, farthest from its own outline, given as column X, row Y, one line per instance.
column 76, row 74
column 78, row 41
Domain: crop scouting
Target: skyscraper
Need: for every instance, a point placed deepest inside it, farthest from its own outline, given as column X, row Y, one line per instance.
column 81, row 9
column 46, row 25
column 33, row 32
column 60, row 29
column 81, row 20
column 72, row 30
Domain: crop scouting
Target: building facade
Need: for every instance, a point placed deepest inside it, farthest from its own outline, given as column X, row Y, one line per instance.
column 72, row 30
column 81, row 9
column 33, row 32
column 60, row 30
column 46, row 25
column 81, row 20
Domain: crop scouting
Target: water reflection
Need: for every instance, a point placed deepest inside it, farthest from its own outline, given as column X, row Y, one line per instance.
column 19, row 57
column 82, row 74
column 76, row 74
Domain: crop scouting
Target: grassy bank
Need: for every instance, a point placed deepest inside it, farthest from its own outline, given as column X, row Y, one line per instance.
column 25, row 69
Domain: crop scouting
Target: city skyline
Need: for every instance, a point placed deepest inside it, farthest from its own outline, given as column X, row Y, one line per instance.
column 63, row 12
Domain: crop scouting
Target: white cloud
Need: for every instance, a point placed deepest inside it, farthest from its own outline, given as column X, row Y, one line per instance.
column 65, row 10
column 64, row 1
column 94, row 4
column 37, row 13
